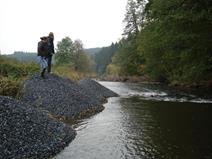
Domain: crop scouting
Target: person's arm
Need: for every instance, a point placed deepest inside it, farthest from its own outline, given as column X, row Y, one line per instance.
column 39, row 49
column 52, row 45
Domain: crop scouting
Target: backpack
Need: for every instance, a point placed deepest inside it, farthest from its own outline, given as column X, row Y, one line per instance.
column 42, row 49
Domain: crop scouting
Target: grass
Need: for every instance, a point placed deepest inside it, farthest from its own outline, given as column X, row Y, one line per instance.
column 12, row 72
column 67, row 71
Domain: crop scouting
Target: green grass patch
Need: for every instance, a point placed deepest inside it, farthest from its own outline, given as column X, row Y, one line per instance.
column 69, row 72
column 12, row 72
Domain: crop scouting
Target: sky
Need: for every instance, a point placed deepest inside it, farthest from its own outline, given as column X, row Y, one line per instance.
column 96, row 23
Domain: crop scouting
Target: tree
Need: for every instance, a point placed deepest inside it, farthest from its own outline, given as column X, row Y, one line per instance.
column 134, row 17
column 128, row 57
column 77, row 54
column 176, row 42
column 65, row 52
column 104, row 58
column 81, row 61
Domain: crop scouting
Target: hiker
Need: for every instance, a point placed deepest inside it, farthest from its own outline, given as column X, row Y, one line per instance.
column 50, row 50
column 43, row 54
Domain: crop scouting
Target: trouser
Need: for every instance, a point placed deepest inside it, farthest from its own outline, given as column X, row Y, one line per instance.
column 43, row 61
column 49, row 60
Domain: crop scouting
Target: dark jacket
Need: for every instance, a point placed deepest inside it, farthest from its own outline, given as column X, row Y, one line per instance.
column 50, row 46
column 43, row 49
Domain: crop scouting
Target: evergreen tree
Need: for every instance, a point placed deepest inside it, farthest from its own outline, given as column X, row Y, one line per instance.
column 169, row 40
column 176, row 42
column 134, row 17
column 128, row 57
column 104, row 58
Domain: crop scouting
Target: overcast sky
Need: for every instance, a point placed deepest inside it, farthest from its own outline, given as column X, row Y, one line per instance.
column 96, row 23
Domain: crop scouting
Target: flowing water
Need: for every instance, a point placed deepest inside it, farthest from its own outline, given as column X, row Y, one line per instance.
column 145, row 122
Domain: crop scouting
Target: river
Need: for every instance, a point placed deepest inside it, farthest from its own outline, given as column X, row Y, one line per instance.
column 145, row 122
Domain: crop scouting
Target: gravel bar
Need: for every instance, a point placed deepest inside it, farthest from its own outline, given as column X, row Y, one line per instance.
column 29, row 126
column 63, row 97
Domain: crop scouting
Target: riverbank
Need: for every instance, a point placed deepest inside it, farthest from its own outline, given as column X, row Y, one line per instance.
column 33, row 127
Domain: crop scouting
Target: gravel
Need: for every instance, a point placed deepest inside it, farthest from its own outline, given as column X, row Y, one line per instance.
column 26, row 132
column 29, row 127
column 96, row 90
column 63, row 97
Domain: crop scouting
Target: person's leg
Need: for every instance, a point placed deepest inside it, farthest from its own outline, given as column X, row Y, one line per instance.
column 43, row 65
column 49, row 63
column 42, row 73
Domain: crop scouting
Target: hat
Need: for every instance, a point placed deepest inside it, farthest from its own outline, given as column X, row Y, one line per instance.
column 51, row 34
column 43, row 38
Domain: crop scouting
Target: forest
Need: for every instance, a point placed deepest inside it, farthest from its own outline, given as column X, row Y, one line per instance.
column 168, row 40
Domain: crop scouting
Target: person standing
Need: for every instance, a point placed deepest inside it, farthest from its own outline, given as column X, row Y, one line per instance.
column 43, row 54
column 50, row 50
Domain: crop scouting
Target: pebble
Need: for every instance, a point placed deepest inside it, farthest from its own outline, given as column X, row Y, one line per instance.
column 63, row 97
column 29, row 127
column 25, row 132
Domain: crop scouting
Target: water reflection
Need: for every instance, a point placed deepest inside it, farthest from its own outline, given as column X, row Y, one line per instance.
column 171, row 130
column 133, row 128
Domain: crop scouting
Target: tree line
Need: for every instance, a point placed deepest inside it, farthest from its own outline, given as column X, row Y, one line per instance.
column 168, row 40
column 73, row 54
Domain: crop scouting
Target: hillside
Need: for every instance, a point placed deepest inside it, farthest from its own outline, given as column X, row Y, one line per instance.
column 23, row 56
column 92, row 51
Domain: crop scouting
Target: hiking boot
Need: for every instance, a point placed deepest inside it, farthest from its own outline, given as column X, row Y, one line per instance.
column 42, row 73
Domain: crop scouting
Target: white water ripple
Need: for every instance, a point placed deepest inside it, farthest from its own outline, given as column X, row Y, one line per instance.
column 128, row 90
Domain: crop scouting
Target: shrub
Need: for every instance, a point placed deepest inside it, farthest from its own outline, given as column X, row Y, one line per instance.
column 67, row 71
column 9, row 87
column 13, row 68
column 12, row 72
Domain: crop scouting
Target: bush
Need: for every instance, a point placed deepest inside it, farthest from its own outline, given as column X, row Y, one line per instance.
column 67, row 71
column 9, row 87
column 13, row 68
column 12, row 73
